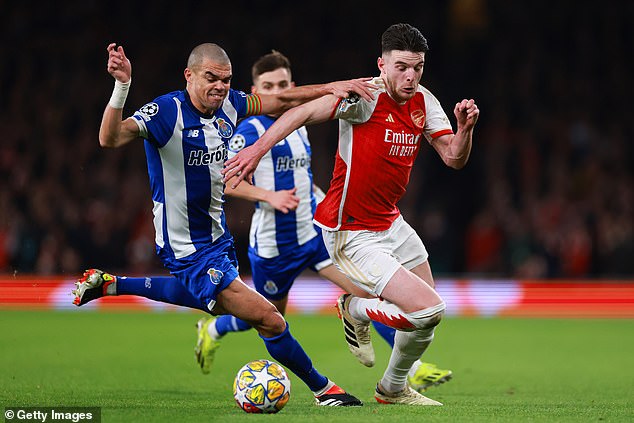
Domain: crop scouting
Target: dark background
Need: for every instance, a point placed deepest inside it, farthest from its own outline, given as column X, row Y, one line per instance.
column 548, row 191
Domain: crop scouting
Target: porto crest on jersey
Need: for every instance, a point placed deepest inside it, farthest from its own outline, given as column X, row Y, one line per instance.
column 224, row 128
column 270, row 287
column 215, row 276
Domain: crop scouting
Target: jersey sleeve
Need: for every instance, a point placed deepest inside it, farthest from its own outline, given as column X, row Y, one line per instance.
column 246, row 134
column 353, row 109
column 156, row 120
column 245, row 104
column 436, row 122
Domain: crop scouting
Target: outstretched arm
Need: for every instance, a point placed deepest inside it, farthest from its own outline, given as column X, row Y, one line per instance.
column 242, row 165
column 114, row 131
column 275, row 104
column 455, row 149
column 283, row 200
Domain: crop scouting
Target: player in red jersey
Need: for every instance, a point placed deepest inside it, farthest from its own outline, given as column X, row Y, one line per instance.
column 364, row 231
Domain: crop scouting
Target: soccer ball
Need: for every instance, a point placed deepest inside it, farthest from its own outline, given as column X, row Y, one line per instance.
column 261, row 386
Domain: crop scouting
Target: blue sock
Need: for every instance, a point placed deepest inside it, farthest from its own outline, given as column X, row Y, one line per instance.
column 386, row 332
column 165, row 289
column 228, row 323
column 287, row 351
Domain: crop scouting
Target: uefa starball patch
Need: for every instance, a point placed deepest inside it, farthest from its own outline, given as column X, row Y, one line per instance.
column 149, row 110
column 237, row 143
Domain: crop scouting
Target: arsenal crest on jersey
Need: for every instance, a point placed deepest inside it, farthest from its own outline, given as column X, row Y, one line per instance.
column 418, row 118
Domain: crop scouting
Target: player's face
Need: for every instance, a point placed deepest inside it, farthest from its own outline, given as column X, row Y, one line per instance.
column 208, row 85
column 401, row 71
column 273, row 82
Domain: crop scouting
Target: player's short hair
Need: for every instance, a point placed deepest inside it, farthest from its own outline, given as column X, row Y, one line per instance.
column 270, row 62
column 402, row 36
column 207, row 51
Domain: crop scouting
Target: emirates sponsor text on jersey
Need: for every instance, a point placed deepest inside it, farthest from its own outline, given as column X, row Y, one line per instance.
column 403, row 143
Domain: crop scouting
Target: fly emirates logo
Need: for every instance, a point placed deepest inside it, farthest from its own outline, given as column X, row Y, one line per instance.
column 404, row 144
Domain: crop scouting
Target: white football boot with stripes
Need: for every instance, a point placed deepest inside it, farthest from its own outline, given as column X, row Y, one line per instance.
column 356, row 333
column 407, row 396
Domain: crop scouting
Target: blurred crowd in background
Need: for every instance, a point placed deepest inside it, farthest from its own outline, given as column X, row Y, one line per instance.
column 548, row 192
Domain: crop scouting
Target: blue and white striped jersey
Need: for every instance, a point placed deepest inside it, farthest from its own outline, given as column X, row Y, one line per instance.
column 285, row 166
column 185, row 152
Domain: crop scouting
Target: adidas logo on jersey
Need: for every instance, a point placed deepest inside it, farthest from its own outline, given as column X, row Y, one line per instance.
column 389, row 118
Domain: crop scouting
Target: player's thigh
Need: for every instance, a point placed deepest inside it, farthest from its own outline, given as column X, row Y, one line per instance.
column 409, row 292
column 335, row 276
column 246, row 304
column 423, row 271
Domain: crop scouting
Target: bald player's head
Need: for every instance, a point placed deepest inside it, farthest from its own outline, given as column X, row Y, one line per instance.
column 208, row 75
column 210, row 51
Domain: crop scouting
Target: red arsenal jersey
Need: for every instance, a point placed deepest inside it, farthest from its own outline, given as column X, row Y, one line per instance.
column 378, row 143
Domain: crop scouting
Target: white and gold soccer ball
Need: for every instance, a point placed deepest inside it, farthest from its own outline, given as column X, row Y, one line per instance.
column 261, row 386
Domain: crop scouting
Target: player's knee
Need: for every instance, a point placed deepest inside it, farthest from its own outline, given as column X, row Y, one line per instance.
column 271, row 324
column 427, row 318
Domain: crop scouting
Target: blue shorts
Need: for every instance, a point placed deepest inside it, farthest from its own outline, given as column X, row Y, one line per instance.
column 208, row 271
column 274, row 277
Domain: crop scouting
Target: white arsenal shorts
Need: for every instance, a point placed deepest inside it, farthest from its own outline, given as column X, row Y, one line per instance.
column 370, row 258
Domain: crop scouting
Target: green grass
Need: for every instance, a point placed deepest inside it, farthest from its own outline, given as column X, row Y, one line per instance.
column 141, row 367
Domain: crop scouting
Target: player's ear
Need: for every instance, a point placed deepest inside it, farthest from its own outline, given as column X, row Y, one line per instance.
column 380, row 63
column 188, row 74
column 254, row 90
column 292, row 84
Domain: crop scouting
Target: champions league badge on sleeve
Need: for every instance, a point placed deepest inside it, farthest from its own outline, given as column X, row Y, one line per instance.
column 224, row 129
column 237, row 143
column 149, row 109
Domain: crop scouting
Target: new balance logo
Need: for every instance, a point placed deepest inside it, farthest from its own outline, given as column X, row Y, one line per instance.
column 389, row 118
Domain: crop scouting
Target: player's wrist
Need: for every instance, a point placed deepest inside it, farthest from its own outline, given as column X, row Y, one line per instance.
column 119, row 94
column 328, row 88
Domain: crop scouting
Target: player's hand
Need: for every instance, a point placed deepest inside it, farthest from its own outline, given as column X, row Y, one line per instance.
column 242, row 166
column 466, row 113
column 361, row 86
column 283, row 200
column 118, row 64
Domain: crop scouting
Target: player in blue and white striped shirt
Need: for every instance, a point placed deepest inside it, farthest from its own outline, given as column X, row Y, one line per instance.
column 186, row 134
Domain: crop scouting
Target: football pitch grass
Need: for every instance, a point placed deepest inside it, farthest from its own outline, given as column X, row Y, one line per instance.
column 141, row 367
